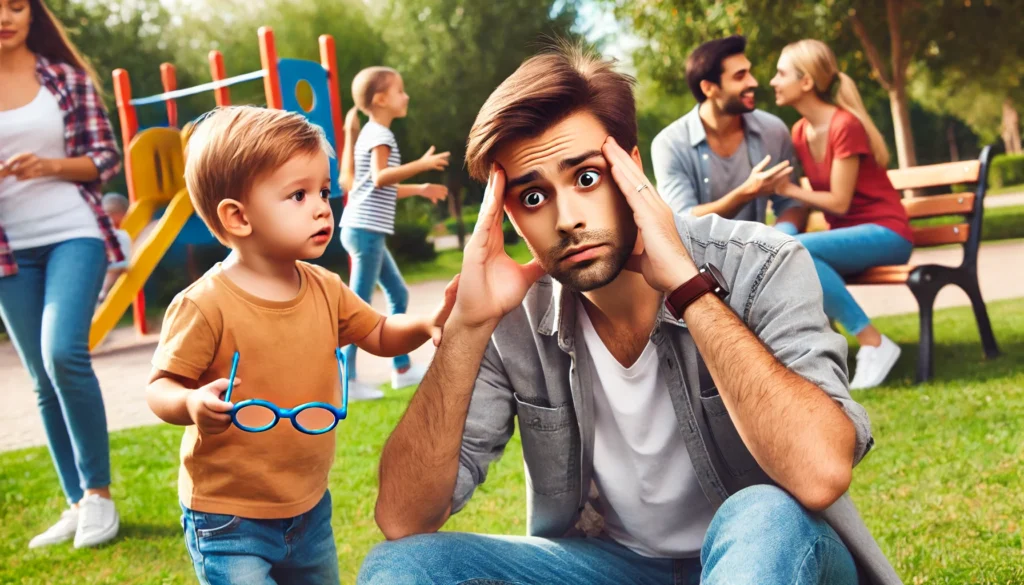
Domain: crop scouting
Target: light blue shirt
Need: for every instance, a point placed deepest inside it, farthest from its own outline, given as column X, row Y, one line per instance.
column 680, row 154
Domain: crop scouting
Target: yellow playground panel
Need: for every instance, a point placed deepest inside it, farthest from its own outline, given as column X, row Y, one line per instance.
column 154, row 162
column 157, row 180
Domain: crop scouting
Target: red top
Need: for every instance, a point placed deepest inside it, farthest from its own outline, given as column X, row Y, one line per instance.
column 875, row 200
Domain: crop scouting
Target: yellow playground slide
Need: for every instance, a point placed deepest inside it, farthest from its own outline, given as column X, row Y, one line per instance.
column 157, row 179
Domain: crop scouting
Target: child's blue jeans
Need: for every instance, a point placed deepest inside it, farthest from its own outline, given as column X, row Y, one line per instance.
column 373, row 263
column 230, row 549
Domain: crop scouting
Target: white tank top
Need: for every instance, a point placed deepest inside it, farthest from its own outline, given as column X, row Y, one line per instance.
column 47, row 210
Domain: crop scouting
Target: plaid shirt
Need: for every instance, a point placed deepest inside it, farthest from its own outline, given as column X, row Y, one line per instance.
column 86, row 133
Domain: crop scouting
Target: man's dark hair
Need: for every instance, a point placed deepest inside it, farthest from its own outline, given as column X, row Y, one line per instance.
column 705, row 62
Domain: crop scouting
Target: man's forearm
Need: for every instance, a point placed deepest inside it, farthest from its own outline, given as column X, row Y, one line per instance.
column 727, row 206
column 800, row 437
column 420, row 461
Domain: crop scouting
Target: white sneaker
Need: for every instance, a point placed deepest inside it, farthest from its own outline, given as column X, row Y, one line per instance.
column 62, row 531
column 874, row 364
column 409, row 377
column 98, row 521
column 359, row 391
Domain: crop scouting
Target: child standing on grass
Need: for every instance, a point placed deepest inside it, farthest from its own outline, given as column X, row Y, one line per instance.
column 256, row 508
column 372, row 173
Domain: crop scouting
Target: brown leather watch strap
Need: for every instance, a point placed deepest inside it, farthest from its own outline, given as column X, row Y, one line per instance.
column 691, row 290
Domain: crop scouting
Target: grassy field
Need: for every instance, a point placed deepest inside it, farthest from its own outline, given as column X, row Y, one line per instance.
column 1007, row 189
column 940, row 491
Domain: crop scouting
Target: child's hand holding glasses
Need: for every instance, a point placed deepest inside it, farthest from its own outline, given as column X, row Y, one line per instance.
column 206, row 409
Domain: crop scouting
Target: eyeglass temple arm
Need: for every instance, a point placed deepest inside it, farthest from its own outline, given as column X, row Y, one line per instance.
column 231, row 378
column 343, row 373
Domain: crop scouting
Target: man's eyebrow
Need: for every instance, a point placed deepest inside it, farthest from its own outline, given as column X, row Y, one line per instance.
column 563, row 165
column 568, row 163
column 522, row 180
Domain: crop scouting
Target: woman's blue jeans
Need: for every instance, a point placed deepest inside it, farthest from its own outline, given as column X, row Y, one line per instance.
column 47, row 308
column 373, row 263
column 847, row 251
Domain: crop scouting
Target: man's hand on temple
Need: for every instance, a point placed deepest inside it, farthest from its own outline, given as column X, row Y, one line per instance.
column 664, row 261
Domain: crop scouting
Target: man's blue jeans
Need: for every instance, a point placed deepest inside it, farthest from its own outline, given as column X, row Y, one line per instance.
column 372, row 263
column 760, row 535
column 48, row 307
column 847, row 251
column 228, row 549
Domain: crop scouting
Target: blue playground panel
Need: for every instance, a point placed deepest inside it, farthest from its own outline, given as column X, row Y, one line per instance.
column 291, row 72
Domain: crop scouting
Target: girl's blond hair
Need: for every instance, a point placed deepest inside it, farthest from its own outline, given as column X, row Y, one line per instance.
column 365, row 85
column 815, row 59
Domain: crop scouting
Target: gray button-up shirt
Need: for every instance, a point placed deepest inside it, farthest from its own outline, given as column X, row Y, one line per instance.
column 682, row 170
column 533, row 369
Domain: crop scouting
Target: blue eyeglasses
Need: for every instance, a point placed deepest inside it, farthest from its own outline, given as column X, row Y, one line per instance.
column 313, row 418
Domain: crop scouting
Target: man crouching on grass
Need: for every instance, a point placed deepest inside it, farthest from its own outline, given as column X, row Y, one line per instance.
column 682, row 400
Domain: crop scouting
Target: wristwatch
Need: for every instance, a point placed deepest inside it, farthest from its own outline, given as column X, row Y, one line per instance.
column 708, row 279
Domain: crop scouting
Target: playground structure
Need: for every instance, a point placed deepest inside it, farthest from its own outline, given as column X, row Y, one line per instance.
column 154, row 158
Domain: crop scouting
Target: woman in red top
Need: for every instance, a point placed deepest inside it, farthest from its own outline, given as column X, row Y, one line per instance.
column 844, row 157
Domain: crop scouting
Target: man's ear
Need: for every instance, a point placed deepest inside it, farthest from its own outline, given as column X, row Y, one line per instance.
column 231, row 214
column 635, row 155
column 709, row 88
column 512, row 220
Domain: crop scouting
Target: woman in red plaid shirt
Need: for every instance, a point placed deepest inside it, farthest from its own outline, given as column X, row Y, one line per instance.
column 56, row 149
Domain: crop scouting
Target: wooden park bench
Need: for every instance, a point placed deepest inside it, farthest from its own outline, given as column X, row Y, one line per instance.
column 925, row 280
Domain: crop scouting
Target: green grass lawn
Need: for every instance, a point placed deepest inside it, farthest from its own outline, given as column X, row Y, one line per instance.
column 941, row 491
column 1006, row 189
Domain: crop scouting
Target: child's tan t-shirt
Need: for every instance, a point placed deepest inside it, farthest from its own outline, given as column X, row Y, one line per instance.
column 287, row 357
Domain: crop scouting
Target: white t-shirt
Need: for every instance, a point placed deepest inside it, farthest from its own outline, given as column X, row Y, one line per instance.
column 46, row 210
column 124, row 241
column 368, row 207
column 650, row 496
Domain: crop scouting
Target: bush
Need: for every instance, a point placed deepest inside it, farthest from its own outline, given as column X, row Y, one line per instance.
column 409, row 242
column 1007, row 169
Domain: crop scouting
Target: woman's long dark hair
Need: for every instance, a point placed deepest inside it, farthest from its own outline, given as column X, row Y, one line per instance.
column 47, row 37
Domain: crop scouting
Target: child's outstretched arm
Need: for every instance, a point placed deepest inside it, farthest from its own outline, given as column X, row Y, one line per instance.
column 400, row 334
column 172, row 399
column 383, row 175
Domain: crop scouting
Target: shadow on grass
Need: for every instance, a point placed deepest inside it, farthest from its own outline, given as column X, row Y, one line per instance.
column 135, row 531
column 959, row 362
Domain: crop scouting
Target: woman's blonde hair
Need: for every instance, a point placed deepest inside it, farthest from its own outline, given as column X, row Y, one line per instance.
column 366, row 84
column 815, row 59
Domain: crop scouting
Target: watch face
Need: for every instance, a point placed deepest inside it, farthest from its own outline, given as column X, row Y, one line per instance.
column 719, row 280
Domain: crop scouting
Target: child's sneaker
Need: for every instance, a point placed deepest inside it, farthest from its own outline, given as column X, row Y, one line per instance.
column 98, row 521
column 62, row 531
column 358, row 391
column 409, row 377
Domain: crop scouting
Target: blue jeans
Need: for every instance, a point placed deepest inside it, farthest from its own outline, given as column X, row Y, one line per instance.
column 759, row 535
column 228, row 549
column 847, row 251
column 47, row 308
column 372, row 263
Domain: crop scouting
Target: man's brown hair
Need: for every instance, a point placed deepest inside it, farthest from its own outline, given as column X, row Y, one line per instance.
column 545, row 90
column 231, row 147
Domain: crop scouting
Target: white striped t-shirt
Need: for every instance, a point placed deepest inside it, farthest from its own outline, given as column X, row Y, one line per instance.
column 368, row 207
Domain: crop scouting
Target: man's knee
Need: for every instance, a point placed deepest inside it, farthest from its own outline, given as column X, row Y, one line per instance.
column 413, row 560
column 764, row 526
column 764, row 509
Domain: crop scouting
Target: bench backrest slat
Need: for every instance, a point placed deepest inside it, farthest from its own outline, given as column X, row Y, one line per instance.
column 952, row 173
column 938, row 205
column 938, row 235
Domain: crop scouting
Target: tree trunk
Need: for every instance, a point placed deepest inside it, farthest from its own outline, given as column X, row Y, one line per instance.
column 905, row 152
column 954, row 150
column 1011, row 128
column 455, row 205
